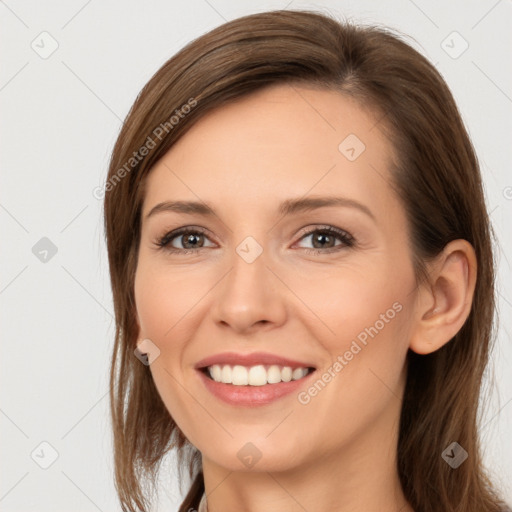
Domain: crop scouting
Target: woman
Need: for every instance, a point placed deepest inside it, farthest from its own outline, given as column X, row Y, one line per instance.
column 340, row 377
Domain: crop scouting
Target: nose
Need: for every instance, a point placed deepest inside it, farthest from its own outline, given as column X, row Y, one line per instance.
column 250, row 296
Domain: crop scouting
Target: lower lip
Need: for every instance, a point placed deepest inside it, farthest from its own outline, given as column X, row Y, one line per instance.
column 251, row 396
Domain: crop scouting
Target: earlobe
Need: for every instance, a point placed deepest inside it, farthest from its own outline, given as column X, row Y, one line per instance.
column 444, row 303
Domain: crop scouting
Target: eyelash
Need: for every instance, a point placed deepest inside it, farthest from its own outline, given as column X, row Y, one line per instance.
column 346, row 238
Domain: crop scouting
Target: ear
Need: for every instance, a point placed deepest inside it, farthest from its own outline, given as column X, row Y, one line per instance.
column 444, row 303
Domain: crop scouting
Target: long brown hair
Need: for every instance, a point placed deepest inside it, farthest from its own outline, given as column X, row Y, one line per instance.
column 438, row 179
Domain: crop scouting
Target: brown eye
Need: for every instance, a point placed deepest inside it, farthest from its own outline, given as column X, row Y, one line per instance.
column 324, row 239
column 191, row 240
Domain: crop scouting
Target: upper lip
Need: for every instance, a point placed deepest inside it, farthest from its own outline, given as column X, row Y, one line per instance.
column 253, row 359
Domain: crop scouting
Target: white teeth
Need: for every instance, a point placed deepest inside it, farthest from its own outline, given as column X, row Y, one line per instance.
column 216, row 372
column 226, row 374
column 286, row 374
column 298, row 373
column 240, row 376
column 274, row 374
column 258, row 375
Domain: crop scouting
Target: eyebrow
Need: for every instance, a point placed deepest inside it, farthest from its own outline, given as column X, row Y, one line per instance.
column 286, row 208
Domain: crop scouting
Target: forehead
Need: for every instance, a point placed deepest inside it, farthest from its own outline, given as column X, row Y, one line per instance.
column 280, row 142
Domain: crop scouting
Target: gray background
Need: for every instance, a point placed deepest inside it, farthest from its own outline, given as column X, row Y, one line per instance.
column 61, row 114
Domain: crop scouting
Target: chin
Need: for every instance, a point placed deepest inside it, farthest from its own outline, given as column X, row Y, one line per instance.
column 258, row 455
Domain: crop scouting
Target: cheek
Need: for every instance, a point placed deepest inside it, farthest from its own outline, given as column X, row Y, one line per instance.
column 363, row 324
column 366, row 351
column 163, row 298
column 348, row 303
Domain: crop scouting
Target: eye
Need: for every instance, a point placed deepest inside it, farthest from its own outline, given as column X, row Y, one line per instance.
column 324, row 239
column 190, row 239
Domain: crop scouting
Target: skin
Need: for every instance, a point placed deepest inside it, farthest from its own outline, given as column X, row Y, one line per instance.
column 338, row 451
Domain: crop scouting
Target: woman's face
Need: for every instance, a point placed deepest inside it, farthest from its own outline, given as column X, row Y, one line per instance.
column 264, row 278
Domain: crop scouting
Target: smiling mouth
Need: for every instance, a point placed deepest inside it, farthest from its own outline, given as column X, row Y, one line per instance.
column 258, row 375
